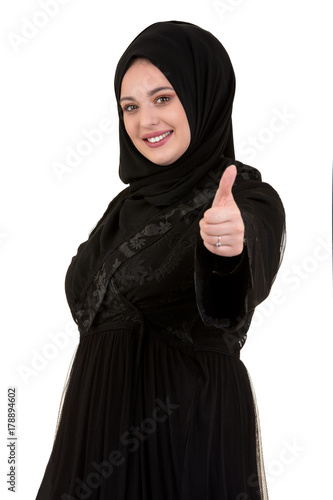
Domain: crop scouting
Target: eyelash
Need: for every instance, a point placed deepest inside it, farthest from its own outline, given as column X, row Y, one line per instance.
column 126, row 110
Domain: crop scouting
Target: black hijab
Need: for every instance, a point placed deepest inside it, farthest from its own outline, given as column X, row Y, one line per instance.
column 200, row 71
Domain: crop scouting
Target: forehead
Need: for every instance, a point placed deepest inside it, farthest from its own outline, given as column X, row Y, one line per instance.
column 142, row 76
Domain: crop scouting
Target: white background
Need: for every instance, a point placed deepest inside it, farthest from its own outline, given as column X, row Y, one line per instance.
column 57, row 81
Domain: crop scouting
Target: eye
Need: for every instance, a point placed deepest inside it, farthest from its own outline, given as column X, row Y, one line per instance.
column 129, row 107
column 162, row 99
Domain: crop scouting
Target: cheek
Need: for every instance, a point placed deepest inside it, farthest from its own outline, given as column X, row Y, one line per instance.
column 129, row 127
column 183, row 125
column 186, row 132
column 126, row 125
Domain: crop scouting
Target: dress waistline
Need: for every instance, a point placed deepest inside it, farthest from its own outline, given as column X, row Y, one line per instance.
column 196, row 345
column 172, row 340
column 110, row 326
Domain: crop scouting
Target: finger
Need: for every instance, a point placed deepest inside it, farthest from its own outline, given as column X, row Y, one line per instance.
column 216, row 215
column 220, row 229
column 225, row 240
column 224, row 194
column 224, row 250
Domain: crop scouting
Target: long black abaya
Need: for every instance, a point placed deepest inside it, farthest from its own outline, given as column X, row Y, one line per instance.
column 158, row 404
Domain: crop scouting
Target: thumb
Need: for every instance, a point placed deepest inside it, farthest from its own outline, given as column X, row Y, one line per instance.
column 224, row 194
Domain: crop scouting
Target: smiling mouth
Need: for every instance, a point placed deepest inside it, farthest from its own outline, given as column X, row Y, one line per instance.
column 158, row 138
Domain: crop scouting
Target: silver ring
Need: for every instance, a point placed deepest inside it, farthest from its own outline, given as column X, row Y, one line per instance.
column 219, row 244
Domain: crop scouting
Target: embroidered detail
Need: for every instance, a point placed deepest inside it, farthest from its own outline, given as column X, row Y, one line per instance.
column 128, row 262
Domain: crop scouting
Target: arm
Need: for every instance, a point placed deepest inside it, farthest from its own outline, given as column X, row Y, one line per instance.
column 230, row 284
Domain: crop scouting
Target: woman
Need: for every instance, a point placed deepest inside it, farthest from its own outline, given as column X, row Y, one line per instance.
column 158, row 404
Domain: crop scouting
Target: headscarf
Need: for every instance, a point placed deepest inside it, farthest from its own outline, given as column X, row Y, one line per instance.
column 199, row 69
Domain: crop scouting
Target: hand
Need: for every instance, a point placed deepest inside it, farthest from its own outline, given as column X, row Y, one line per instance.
column 223, row 220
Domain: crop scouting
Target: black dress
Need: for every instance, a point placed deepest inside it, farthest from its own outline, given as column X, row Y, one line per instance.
column 158, row 405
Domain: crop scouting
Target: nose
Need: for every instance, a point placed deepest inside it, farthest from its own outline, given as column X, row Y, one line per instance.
column 148, row 115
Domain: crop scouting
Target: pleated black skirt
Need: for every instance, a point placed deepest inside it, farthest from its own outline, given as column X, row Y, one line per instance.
column 177, row 423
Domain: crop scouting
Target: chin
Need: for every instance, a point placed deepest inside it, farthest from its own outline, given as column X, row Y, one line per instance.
column 163, row 162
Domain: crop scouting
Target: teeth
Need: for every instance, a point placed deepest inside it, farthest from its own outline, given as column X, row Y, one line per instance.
column 159, row 138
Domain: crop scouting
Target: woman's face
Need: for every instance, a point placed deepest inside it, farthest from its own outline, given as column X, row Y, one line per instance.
column 154, row 117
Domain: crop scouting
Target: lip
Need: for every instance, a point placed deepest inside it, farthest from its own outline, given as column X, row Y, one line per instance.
column 156, row 134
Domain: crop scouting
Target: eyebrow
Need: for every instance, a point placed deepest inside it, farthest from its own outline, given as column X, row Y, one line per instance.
column 150, row 93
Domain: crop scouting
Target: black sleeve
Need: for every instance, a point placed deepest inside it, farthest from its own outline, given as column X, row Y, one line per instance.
column 229, row 288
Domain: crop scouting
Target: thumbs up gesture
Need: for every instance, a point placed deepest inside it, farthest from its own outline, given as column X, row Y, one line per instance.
column 222, row 226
